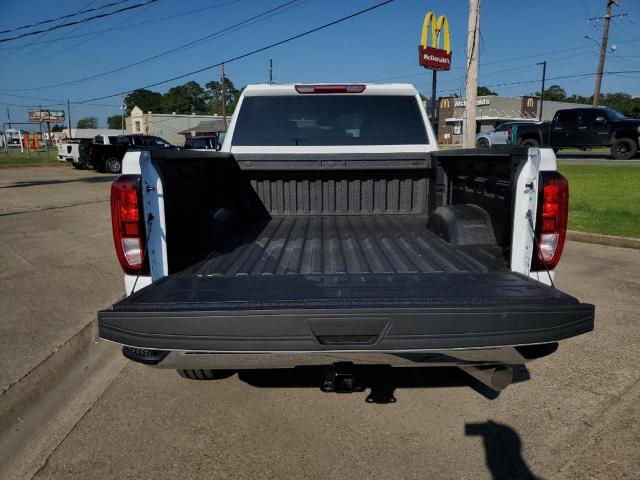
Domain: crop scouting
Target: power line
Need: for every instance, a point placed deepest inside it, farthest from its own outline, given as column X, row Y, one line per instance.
column 250, row 53
column 132, row 25
column 504, row 60
column 76, row 22
column 70, row 15
column 77, row 44
column 248, row 21
column 574, row 75
column 15, row 49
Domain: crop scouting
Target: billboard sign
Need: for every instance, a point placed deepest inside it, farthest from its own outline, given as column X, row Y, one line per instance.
column 433, row 57
column 48, row 116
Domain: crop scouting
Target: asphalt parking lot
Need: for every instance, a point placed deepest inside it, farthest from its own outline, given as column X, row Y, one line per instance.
column 573, row 415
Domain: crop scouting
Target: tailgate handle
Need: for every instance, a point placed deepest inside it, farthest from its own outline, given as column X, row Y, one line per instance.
column 348, row 330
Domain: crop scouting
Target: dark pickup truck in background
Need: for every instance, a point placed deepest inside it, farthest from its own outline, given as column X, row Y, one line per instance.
column 107, row 157
column 582, row 128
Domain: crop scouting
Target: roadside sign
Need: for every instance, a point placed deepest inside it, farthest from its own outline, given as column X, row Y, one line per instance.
column 433, row 57
column 48, row 116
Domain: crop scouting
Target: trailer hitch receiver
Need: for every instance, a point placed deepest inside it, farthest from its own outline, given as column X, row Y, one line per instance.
column 341, row 378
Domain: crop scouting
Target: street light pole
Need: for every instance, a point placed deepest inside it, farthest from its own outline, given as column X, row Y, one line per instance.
column 69, row 117
column 544, row 76
column 224, row 100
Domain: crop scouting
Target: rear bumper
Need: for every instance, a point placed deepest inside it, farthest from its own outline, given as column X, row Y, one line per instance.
column 278, row 339
column 185, row 360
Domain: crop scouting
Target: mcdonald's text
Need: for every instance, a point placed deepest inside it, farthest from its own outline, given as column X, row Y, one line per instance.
column 434, row 58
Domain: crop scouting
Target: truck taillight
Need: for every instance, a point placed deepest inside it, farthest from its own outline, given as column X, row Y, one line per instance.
column 551, row 221
column 509, row 132
column 128, row 223
column 336, row 88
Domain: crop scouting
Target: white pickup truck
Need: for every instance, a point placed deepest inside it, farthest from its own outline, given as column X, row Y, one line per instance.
column 330, row 232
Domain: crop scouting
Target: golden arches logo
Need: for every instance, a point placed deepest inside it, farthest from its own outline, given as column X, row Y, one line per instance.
column 530, row 102
column 437, row 25
column 444, row 103
column 432, row 56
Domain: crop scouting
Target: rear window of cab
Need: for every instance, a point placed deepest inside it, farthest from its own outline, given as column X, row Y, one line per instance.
column 324, row 120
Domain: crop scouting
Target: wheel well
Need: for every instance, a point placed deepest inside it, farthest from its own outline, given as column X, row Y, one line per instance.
column 628, row 134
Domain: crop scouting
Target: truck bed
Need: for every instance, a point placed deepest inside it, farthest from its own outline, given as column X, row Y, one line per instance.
column 359, row 282
column 332, row 252
column 336, row 245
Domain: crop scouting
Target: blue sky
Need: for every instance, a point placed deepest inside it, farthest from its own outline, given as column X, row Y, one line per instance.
column 378, row 46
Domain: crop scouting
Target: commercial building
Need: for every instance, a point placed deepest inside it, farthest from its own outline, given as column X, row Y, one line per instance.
column 206, row 128
column 492, row 110
column 89, row 133
column 166, row 125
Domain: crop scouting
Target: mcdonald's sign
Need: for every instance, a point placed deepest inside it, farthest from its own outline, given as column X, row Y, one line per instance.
column 433, row 57
column 530, row 102
column 444, row 103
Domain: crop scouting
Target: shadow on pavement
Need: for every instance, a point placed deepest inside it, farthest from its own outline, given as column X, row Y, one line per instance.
column 503, row 450
column 382, row 381
column 34, row 183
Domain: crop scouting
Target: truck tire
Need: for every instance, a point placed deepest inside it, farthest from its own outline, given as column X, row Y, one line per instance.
column 530, row 142
column 113, row 165
column 623, row 149
column 78, row 165
column 206, row 374
column 482, row 143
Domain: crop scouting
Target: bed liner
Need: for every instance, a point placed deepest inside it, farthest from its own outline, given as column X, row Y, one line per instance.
column 317, row 283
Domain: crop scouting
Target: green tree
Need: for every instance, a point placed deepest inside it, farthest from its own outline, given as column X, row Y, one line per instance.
column 215, row 90
column 579, row 99
column 185, row 99
column 623, row 103
column 145, row 99
column 57, row 128
column 484, row 91
column 114, row 121
column 87, row 122
column 554, row 93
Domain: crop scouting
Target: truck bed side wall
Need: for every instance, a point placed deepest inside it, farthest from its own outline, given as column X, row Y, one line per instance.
column 208, row 196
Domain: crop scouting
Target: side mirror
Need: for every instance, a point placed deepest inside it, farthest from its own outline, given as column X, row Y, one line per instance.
column 218, row 147
column 600, row 120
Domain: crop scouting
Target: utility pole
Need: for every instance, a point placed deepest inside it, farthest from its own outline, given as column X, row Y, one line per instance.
column 603, row 52
column 122, row 123
column 224, row 99
column 69, row 116
column 544, row 76
column 270, row 71
column 8, row 118
column 473, row 42
column 434, row 81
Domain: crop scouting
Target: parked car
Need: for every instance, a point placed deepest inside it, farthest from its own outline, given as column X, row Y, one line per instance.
column 500, row 136
column 583, row 128
column 107, row 157
column 330, row 232
column 209, row 142
column 75, row 152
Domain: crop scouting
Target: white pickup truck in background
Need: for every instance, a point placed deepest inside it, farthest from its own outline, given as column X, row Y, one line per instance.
column 330, row 232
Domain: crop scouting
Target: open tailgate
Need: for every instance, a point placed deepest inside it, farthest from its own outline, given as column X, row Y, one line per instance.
column 355, row 312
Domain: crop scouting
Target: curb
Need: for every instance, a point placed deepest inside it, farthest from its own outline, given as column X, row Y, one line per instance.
column 39, row 411
column 608, row 240
column 45, row 375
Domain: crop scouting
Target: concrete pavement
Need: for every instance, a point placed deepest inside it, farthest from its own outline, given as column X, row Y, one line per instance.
column 575, row 418
column 56, row 250
column 573, row 415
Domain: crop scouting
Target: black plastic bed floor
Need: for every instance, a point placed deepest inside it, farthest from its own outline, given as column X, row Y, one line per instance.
column 344, row 245
column 343, row 262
